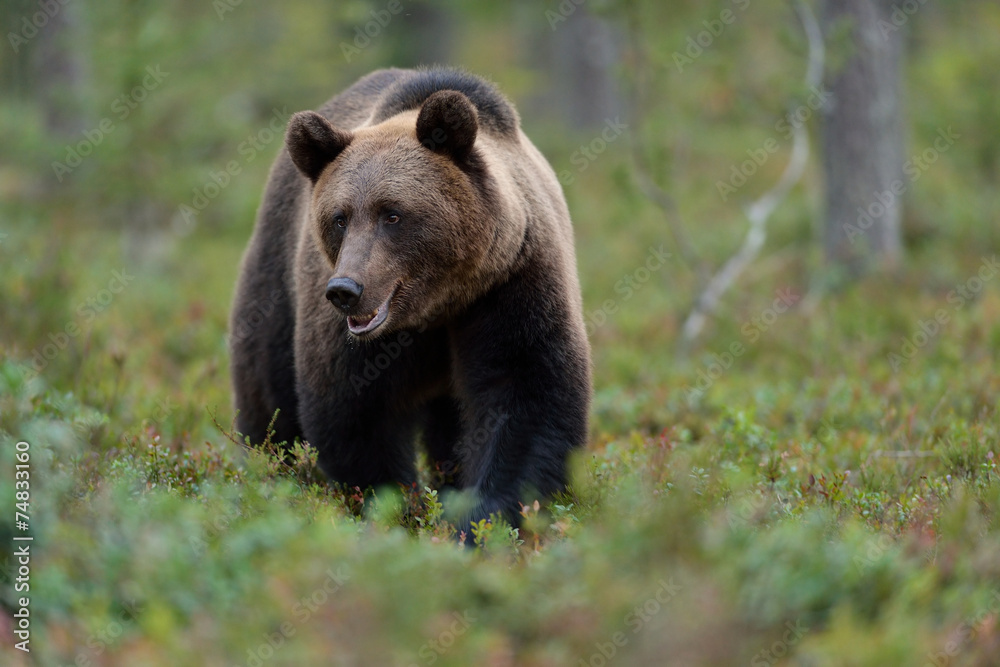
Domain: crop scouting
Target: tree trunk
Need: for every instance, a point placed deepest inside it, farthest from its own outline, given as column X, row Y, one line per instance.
column 582, row 70
column 59, row 67
column 863, row 136
column 578, row 52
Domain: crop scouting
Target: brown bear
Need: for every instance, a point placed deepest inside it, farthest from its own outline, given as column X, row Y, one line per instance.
column 412, row 272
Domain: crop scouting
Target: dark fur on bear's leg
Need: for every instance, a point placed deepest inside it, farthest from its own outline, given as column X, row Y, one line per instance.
column 517, row 369
column 442, row 433
column 363, row 422
column 412, row 270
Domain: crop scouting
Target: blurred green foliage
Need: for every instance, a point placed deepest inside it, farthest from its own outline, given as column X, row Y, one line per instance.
column 803, row 502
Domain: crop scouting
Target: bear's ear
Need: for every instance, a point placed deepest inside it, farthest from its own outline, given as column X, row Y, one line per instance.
column 314, row 143
column 448, row 124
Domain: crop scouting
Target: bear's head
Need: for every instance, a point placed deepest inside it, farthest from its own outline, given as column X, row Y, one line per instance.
column 403, row 211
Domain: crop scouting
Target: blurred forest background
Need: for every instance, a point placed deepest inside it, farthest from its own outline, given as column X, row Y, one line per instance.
column 803, row 472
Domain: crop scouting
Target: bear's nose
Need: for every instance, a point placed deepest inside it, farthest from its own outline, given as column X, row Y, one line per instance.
column 343, row 293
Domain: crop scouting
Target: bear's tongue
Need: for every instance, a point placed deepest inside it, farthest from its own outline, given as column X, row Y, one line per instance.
column 359, row 324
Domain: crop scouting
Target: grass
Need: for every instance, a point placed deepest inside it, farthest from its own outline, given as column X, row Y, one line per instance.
column 811, row 505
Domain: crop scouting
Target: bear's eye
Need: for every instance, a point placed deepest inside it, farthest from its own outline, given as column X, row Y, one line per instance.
column 391, row 219
column 340, row 221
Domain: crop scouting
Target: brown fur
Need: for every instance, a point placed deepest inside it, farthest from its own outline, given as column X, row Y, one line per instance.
column 420, row 187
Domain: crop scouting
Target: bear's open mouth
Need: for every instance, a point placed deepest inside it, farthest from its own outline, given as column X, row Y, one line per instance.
column 362, row 324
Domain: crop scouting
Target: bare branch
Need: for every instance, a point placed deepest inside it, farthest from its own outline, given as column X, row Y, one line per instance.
column 760, row 210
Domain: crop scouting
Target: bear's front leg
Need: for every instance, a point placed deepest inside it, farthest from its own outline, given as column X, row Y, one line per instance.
column 359, row 402
column 359, row 443
column 522, row 377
